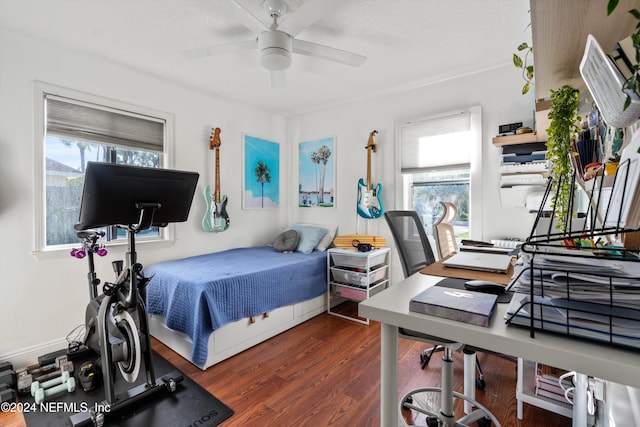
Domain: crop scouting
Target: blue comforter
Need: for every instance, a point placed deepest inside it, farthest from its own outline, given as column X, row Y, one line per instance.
column 199, row 294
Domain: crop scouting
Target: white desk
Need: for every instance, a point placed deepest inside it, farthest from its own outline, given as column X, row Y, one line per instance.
column 391, row 308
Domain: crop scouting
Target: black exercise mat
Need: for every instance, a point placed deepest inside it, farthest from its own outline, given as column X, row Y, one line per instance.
column 189, row 405
column 503, row 298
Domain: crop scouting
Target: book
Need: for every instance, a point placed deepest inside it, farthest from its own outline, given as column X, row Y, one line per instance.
column 455, row 304
column 557, row 397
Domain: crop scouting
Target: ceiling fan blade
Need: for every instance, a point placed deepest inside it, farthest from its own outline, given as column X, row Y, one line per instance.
column 308, row 13
column 245, row 17
column 201, row 52
column 332, row 54
column 278, row 79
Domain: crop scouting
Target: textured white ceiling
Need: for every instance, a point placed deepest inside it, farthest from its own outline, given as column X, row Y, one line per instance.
column 408, row 43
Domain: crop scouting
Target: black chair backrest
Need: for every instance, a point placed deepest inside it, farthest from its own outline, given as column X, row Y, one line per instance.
column 411, row 240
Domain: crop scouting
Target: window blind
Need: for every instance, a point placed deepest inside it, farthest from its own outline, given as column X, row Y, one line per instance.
column 436, row 142
column 87, row 122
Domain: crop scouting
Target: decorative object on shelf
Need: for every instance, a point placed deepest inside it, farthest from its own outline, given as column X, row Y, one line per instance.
column 562, row 131
column 522, row 63
column 632, row 84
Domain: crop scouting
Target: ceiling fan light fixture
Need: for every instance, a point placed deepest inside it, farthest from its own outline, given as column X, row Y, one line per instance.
column 274, row 49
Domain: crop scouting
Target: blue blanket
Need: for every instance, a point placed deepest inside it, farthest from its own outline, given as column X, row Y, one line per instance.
column 199, row 294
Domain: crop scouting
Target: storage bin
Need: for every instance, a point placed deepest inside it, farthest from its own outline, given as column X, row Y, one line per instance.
column 356, row 294
column 357, row 277
column 349, row 260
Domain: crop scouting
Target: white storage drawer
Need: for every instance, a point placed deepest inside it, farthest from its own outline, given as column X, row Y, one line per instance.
column 353, row 261
column 359, row 278
column 355, row 294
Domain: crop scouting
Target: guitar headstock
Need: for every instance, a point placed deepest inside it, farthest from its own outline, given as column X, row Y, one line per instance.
column 371, row 144
column 214, row 140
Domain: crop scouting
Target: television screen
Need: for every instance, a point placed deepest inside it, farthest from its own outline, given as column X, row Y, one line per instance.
column 113, row 195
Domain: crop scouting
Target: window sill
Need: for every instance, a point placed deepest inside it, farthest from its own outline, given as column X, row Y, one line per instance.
column 116, row 247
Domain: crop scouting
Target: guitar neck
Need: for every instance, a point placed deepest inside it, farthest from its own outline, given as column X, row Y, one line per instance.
column 369, row 183
column 216, row 192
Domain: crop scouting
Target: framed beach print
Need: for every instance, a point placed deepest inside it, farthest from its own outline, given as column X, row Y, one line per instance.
column 261, row 173
column 317, row 173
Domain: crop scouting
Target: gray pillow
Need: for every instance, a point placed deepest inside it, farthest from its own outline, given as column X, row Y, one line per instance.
column 287, row 241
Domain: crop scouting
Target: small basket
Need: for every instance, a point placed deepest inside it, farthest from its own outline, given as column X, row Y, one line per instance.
column 605, row 82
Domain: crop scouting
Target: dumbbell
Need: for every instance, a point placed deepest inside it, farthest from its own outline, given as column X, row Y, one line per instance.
column 7, row 383
column 69, row 385
column 7, row 375
column 36, row 385
column 7, row 394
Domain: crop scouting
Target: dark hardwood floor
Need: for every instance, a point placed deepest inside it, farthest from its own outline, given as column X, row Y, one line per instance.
column 326, row 372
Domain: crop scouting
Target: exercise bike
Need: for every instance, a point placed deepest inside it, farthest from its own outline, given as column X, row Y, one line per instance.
column 116, row 320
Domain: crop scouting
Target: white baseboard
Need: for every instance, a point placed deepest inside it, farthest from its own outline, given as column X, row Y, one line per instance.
column 28, row 356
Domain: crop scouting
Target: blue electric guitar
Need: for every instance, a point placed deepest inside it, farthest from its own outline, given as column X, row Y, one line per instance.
column 215, row 218
column 369, row 201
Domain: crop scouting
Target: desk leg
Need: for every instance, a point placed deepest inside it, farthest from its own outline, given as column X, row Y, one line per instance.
column 389, row 415
column 469, row 380
column 580, row 401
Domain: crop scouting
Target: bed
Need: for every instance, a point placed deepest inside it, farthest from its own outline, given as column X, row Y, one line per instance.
column 209, row 307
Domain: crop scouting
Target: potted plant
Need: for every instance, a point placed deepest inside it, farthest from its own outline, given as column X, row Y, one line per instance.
column 611, row 165
column 561, row 133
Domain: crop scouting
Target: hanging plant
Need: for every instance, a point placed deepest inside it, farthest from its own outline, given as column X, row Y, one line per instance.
column 523, row 63
column 561, row 132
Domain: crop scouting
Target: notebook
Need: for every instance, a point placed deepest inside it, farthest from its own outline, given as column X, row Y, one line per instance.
column 482, row 261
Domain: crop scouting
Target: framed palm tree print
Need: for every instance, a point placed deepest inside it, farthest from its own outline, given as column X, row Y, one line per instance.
column 261, row 174
column 316, row 160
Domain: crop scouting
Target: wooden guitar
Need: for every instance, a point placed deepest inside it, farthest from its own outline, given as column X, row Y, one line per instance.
column 215, row 218
column 369, row 201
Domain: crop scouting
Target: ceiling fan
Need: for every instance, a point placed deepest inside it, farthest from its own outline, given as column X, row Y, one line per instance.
column 276, row 43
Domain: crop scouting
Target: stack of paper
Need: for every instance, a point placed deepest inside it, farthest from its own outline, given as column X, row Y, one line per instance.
column 548, row 383
column 524, row 164
column 586, row 296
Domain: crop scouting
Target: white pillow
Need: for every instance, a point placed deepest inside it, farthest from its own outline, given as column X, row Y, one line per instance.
column 309, row 235
column 327, row 240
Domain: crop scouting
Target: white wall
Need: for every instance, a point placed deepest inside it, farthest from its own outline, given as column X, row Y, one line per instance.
column 43, row 296
column 497, row 91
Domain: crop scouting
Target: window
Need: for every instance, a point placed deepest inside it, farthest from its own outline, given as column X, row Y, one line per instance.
column 76, row 129
column 432, row 186
column 438, row 159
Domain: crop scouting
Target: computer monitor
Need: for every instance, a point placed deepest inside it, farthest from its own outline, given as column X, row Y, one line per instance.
column 113, row 195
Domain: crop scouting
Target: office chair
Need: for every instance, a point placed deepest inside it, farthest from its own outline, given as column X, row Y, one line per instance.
column 415, row 253
column 443, row 231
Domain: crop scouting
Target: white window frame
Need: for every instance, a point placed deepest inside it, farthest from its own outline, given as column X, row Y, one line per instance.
column 41, row 89
column 403, row 185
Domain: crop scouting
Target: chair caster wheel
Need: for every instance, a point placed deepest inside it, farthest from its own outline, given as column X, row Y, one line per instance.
column 425, row 358
column 432, row 422
column 408, row 400
column 480, row 384
column 484, row 422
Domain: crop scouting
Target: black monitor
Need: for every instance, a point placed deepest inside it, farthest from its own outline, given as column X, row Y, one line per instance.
column 117, row 194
